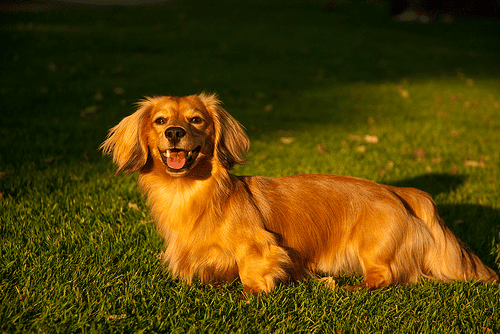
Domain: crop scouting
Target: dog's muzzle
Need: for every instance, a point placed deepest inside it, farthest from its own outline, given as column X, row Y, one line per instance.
column 177, row 159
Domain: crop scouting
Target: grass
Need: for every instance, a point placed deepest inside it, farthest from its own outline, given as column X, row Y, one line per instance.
column 346, row 92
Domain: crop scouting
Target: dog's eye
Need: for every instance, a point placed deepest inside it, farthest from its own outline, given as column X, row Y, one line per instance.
column 160, row 120
column 195, row 120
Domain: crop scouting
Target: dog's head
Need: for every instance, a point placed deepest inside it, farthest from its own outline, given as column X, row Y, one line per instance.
column 185, row 135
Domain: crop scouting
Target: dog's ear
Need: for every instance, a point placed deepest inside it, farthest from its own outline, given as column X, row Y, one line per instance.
column 127, row 143
column 231, row 141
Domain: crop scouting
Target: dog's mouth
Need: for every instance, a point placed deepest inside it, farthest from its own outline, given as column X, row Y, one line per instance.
column 177, row 160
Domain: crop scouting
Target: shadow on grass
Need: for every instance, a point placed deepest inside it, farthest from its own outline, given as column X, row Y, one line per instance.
column 98, row 60
column 434, row 183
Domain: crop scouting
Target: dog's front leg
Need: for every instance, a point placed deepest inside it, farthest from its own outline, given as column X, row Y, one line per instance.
column 261, row 267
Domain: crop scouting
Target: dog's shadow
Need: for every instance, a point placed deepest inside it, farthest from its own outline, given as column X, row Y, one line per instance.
column 476, row 225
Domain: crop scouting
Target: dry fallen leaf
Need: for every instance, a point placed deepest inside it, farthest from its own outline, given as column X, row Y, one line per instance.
column 355, row 137
column 115, row 316
column 419, row 154
column 52, row 67
column 133, row 206
column 475, row 164
column 371, row 139
column 89, row 110
column 287, row 140
column 268, row 107
column 320, row 148
column 98, row 96
column 403, row 92
column 361, row 149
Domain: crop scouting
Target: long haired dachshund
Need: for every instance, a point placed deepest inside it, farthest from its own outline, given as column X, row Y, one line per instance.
column 219, row 227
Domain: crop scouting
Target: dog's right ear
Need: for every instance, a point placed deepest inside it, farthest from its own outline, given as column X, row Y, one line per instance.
column 127, row 143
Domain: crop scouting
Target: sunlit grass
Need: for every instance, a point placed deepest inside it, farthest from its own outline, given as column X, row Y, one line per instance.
column 346, row 92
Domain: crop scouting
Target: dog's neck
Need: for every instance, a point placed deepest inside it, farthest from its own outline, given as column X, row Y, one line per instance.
column 180, row 203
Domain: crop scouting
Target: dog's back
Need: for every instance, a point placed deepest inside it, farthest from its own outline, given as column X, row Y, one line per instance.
column 337, row 224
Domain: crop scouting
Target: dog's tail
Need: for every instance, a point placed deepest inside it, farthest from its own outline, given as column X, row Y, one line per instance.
column 448, row 258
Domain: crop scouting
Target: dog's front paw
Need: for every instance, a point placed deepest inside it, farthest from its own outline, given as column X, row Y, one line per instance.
column 252, row 291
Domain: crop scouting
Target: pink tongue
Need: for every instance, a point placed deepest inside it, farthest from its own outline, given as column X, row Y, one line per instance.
column 177, row 160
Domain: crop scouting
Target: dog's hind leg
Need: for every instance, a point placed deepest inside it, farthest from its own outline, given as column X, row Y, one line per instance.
column 379, row 254
column 376, row 276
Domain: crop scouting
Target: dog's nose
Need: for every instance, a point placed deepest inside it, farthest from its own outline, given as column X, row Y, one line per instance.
column 174, row 134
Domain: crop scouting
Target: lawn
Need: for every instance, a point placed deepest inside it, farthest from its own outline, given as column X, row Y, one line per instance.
column 345, row 91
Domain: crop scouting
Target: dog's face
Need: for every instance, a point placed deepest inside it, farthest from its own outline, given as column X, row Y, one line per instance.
column 185, row 136
column 180, row 133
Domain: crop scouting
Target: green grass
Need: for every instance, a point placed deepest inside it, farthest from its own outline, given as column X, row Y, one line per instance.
column 78, row 250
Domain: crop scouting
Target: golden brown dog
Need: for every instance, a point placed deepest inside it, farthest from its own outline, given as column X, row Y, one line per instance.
column 218, row 226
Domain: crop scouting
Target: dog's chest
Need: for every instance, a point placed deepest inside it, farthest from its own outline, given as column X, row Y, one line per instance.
column 206, row 259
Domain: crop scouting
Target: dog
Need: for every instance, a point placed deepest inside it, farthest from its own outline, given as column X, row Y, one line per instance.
column 219, row 227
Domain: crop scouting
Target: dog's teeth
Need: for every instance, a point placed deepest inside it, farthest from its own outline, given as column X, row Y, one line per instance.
column 167, row 153
column 189, row 154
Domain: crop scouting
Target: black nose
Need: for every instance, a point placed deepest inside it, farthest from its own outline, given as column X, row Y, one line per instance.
column 174, row 134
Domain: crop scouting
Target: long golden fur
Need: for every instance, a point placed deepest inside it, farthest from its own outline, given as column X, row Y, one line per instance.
column 220, row 227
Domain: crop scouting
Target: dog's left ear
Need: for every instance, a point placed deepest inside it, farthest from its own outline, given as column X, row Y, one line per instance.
column 231, row 141
column 126, row 143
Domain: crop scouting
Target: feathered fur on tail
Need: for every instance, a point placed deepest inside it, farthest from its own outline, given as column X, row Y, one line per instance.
column 448, row 258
